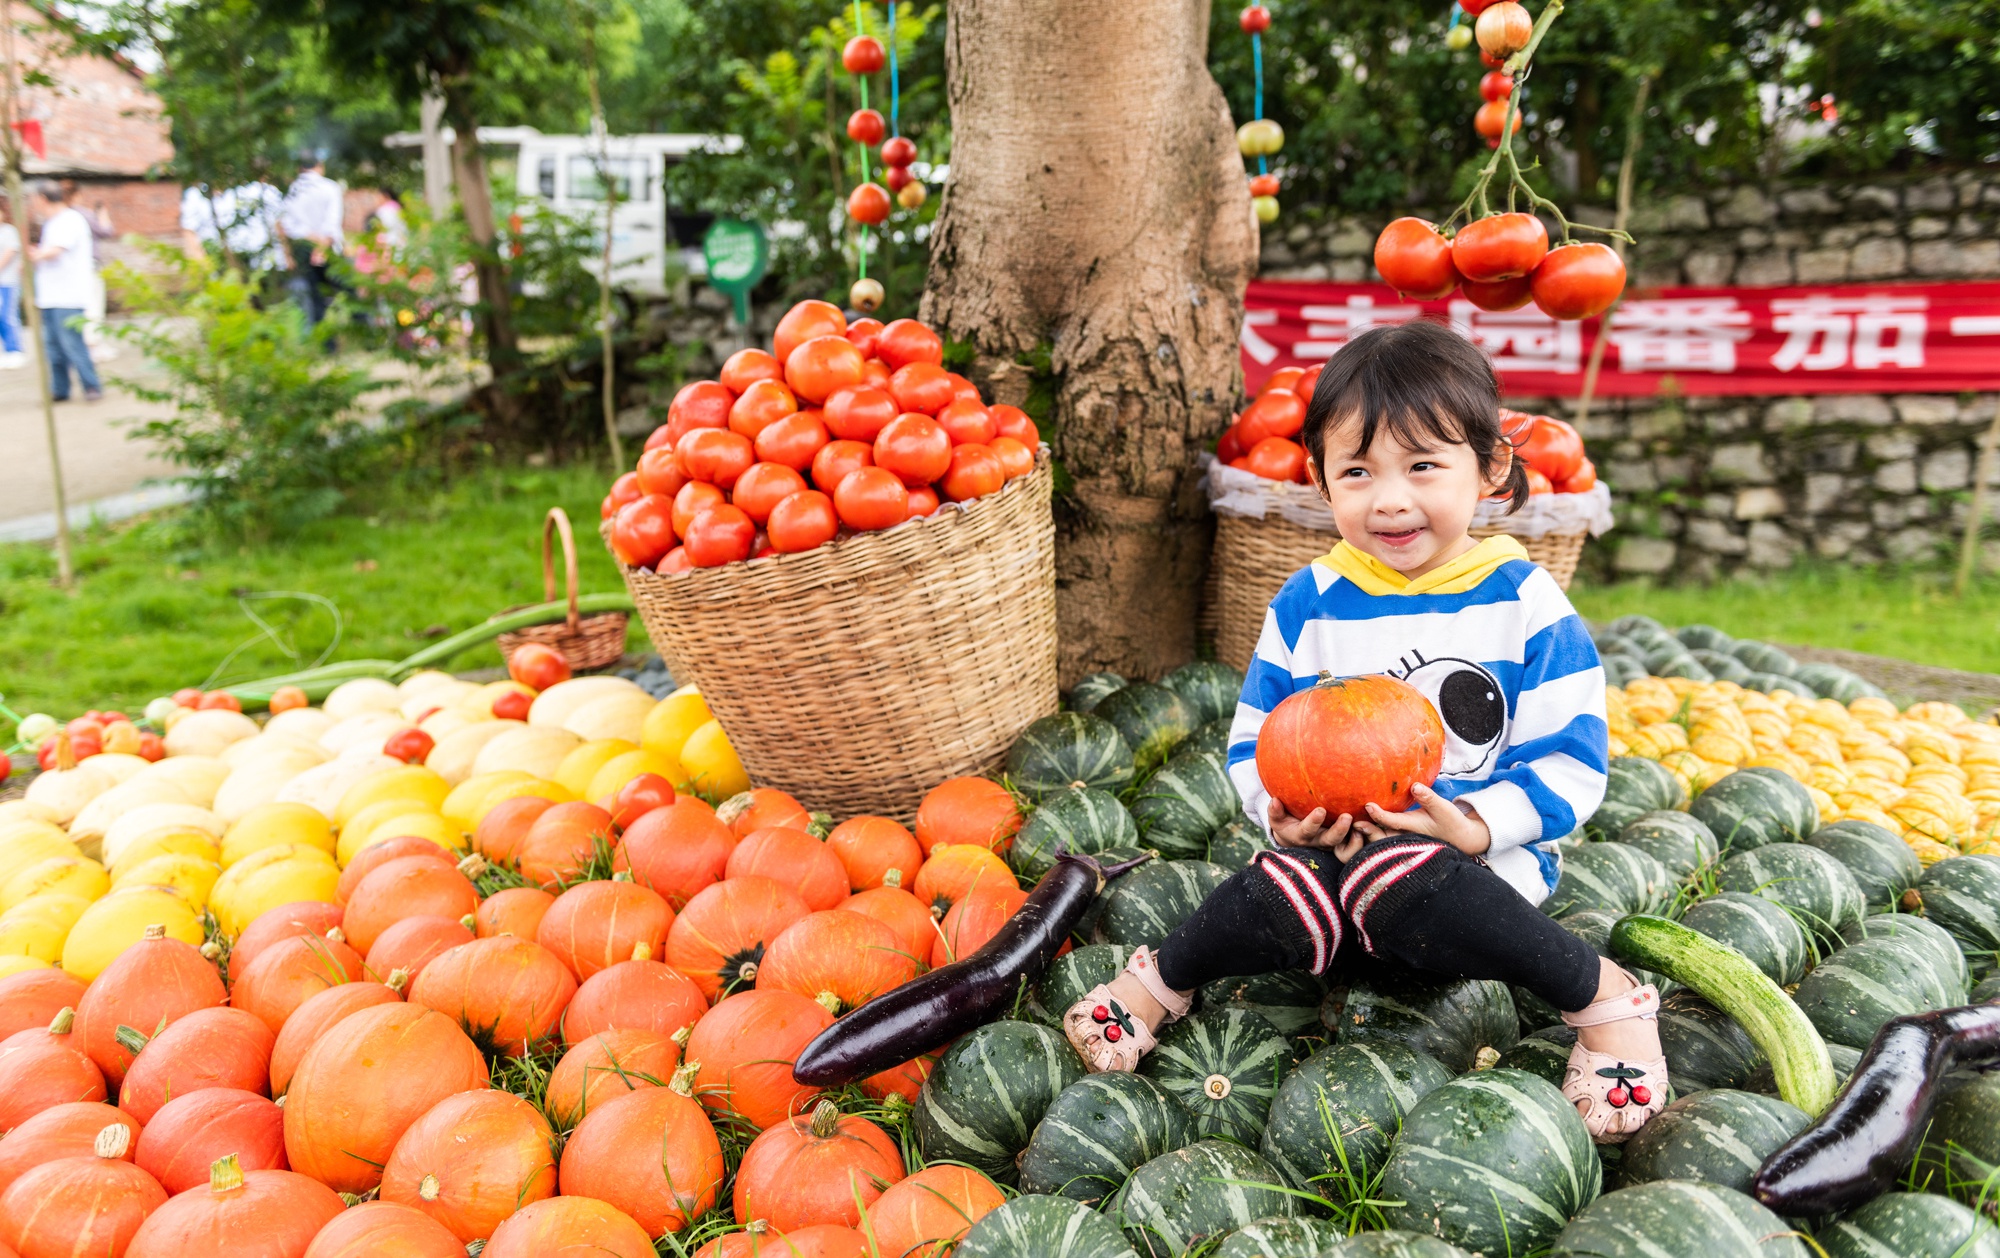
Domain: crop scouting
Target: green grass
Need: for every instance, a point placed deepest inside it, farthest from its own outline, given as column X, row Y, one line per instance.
column 151, row 613
column 1908, row 614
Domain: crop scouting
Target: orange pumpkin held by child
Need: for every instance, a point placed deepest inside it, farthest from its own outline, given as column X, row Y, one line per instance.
column 1350, row 741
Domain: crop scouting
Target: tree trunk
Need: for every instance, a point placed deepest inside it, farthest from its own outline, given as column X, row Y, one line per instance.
column 475, row 199
column 1098, row 206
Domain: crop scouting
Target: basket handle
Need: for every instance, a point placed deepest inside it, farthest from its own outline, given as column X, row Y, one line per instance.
column 558, row 520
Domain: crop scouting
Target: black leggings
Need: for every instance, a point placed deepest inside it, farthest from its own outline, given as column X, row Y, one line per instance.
column 1411, row 901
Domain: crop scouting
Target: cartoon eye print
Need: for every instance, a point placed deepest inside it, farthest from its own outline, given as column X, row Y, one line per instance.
column 1470, row 701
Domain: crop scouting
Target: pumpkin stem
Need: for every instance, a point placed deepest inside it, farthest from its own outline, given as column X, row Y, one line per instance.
column 683, row 1080
column 757, row 1227
column 825, row 1120
column 1216, row 1087
column 280, row 1102
column 63, row 1021
column 112, row 1142
column 1486, row 1058
column 336, row 935
column 622, row 875
column 397, row 981
column 469, row 921
column 735, row 806
column 225, row 1174
column 429, row 1188
column 65, row 754
column 473, row 865
column 819, row 824
column 642, row 951
column 829, row 1002
column 157, row 930
column 892, row 878
column 130, row 1038
column 747, row 972
column 681, row 1036
column 211, row 951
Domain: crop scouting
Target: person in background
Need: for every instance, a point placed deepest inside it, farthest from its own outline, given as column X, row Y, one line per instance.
column 246, row 217
column 386, row 225
column 99, row 218
column 309, row 222
column 11, row 357
column 65, row 262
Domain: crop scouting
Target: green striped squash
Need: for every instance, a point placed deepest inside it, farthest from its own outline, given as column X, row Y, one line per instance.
column 1809, row 883
column 1986, row 991
column 1055, row 751
column 1047, row 1227
column 1236, row 843
column 1212, row 738
column 1771, row 938
column 1773, row 683
column 1209, row 1189
column 1844, row 1059
column 1072, row 819
column 1704, row 638
column 1620, row 670
column 982, row 1101
column 1677, row 1219
column 1961, row 1152
column 1151, row 718
column 1073, row 974
column 1143, row 906
column 1189, row 799
column 1449, row 1019
column 1703, row 1045
column 1288, row 999
column 1751, row 807
column 1097, row 1132
column 1850, row 994
column 1719, row 1137
column 1209, row 688
column 1633, row 787
column 1722, row 666
column 1337, row 1112
column 1763, row 657
column 1935, row 942
column 1496, row 1161
column 1911, row 1225
column 1280, row 1237
column 1963, row 896
column 1093, row 690
column 1675, row 839
column 1881, row 862
column 1680, row 664
column 1612, row 877
column 1393, row 1244
column 1224, row 1066
column 1544, row 1054
column 1634, row 623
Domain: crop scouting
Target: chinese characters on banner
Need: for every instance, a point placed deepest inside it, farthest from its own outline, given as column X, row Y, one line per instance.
column 1840, row 338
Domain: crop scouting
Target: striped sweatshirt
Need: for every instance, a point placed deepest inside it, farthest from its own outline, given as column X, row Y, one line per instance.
column 1492, row 641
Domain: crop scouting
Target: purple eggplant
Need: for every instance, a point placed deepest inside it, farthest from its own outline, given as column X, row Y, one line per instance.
column 940, row 1006
column 1864, row 1141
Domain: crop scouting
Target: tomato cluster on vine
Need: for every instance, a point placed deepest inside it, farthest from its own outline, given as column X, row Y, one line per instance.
column 1501, row 262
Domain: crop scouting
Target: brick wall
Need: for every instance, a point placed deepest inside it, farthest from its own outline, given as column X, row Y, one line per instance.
column 98, row 118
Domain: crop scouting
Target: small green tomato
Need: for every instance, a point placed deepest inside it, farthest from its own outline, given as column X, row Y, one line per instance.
column 1266, row 207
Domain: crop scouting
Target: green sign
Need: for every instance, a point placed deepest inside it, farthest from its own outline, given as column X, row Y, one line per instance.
column 737, row 255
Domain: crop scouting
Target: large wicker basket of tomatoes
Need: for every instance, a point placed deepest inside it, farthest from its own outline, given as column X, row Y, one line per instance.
column 852, row 554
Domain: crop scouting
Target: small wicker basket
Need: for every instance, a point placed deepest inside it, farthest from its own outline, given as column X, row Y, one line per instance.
column 587, row 642
column 860, row 674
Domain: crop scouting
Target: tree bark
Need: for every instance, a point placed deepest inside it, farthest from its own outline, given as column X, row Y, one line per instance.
column 475, row 200
column 1097, row 206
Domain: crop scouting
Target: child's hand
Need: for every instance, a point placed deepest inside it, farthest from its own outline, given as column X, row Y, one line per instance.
column 1312, row 830
column 1436, row 818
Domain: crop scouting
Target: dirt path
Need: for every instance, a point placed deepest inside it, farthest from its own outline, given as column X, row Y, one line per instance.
column 98, row 459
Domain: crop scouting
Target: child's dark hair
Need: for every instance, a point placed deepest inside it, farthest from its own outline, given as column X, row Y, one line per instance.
column 1426, row 383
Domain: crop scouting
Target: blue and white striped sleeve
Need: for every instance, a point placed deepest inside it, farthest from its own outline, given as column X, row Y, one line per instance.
column 1551, row 775
column 1266, row 684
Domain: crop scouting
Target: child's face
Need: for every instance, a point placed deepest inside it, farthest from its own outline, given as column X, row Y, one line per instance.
column 1407, row 506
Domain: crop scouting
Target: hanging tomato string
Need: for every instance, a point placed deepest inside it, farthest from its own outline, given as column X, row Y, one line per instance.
column 1260, row 137
column 870, row 204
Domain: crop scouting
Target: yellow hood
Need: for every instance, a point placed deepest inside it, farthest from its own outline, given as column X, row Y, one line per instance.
column 1456, row 577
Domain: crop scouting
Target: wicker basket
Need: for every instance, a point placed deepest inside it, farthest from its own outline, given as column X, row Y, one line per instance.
column 861, row 674
column 587, row 642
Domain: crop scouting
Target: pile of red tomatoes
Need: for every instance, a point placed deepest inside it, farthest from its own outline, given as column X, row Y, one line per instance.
column 1500, row 262
column 1264, row 438
column 1552, row 451
column 841, row 428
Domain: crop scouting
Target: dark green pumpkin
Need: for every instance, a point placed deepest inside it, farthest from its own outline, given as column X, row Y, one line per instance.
column 1212, row 738
column 1961, row 1151
column 1704, row 638
column 1288, row 999
column 1704, row 1047
column 1073, row 819
column 1911, row 1225
column 1986, row 991
column 1210, row 689
column 1678, row 841
column 1620, row 670
column 1636, row 622
column 1935, row 941
column 1151, row 718
column 1807, row 882
column 1209, row 1189
column 1280, row 1238
column 1612, row 877
column 1775, row 683
column 1092, row 690
column 1770, row 937
column 1144, row 906
column 1098, row 1131
column 982, row 1101
column 1543, row 1054
column 1962, row 895
column 1881, row 862
column 1186, row 802
column 1073, row 974
column 1642, row 785
column 1496, row 1161
column 1452, row 1020
column 1393, row 1244
column 1850, row 994
column 1722, row 666
column 1751, row 807
column 1055, row 751
column 1236, row 843
column 1337, row 1112
column 1677, row 1219
column 1763, row 657
column 1046, row 1227
column 1224, row 1066
column 1720, row 1136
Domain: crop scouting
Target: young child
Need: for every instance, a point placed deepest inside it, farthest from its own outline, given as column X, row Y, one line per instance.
column 1403, row 440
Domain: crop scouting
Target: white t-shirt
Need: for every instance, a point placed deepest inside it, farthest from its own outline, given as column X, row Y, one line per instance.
column 10, row 242
column 64, row 281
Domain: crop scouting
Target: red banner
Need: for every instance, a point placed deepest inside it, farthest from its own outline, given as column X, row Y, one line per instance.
column 1835, row 338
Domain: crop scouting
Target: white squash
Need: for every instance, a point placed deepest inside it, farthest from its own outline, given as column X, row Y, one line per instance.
column 425, row 679
column 120, row 766
column 306, row 723
column 323, row 785
column 25, row 810
column 271, row 743
column 200, row 776
column 260, row 781
column 68, row 792
column 363, row 729
column 207, row 732
column 452, row 691
column 97, row 816
column 148, row 818
column 447, row 721
column 554, row 705
column 363, row 694
column 533, row 749
column 619, row 715
column 455, row 752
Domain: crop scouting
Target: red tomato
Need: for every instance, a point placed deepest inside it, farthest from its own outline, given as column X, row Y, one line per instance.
column 792, row 441
column 1489, row 59
column 1494, row 85
column 1414, row 260
column 923, row 501
column 839, row 459
column 922, row 387
column 801, row 522
column 661, row 436
column 963, row 390
column 220, row 699
column 643, row 531
column 1538, row 483
column 878, row 374
column 764, row 403
column 1492, row 119
column 1474, row 8
column 720, row 535
column 859, row 414
column 1497, row 294
column 1276, row 414
column 537, row 667
column 186, row 697
column 641, row 795
column 1254, row 20
column 968, row 422
column 871, row 498
column 409, row 745
column 694, row 498
column 863, row 55
column 906, row 341
column 869, row 203
column 809, row 319
column 898, row 150
column 1015, row 458
column 763, row 487
column 1553, row 449
column 604, row 507
column 1012, row 421
column 1283, row 378
column 1275, row 458
column 703, row 404
column 513, row 705
column 623, row 490
column 1578, row 281
column 866, row 126
column 915, row 447
column 676, row 561
column 975, row 472
column 1229, row 446
column 714, row 457
column 660, row 472
column 1581, row 481
column 1264, row 185
column 151, row 747
column 747, row 366
column 862, row 333
column 1516, row 426
column 824, row 365
column 1499, row 246
column 1307, row 383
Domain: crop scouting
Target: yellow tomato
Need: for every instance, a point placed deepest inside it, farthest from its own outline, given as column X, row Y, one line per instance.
column 711, row 763
column 407, row 781
column 580, row 766
column 616, row 773
column 118, row 921
column 673, row 720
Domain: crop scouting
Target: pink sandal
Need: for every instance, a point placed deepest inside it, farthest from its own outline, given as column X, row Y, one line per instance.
column 1614, row 1096
column 1106, row 1034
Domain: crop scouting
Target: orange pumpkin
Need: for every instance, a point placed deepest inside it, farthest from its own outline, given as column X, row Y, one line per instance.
column 650, row 1153
column 375, row 855
column 273, row 1213
column 759, row 1241
column 210, row 1048
column 409, row 886
column 187, row 1134
column 317, row 1016
column 968, row 810
column 301, row 917
column 952, row 873
column 80, row 1205
column 838, row 958
column 562, row 842
column 472, row 1160
column 291, row 972
column 719, row 938
column 414, row 943
column 922, row 1216
column 61, row 1131
column 743, row 1053
column 678, row 851
column 508, row 993
column 902, row 913
column 825, row 1167
column 364, row 1082
column 633, row 995
column 595, row 925
column 569, row 1227
column 501, row 830
column 607, row 1065
column 973, row 921
column 876, row 852
column 792, row 858
column 32, row 998
column 41, row 1069
column 906, row 1080
column 383, row 1229
column 517, row 911
column 155, row 981
column 760, row 808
